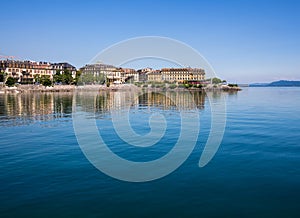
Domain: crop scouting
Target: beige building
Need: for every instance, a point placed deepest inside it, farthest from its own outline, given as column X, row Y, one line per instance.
column 25, row 71
column 142, row 74
column 129, row 74
column 97, row 69
column 182, row 74
column 176, row 75
column 112, row 74
column 122, row 75
column 114, row 77
column 61, row 67
column 154, row 76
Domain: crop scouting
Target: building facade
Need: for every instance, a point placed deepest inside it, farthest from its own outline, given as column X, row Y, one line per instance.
column 26, row 71
column 62, row 67
column 97, row 69
column 182, row 74
column 154, row 76
column 112, row 74
column 129, row 74
column 142, row 74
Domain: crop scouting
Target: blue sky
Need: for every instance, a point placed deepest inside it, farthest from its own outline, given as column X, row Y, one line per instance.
column 245, row 41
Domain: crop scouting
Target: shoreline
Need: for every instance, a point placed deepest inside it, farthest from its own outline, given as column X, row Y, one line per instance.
column 123, row 87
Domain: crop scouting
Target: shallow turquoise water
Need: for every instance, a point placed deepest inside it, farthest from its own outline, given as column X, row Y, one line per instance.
column 256, row 171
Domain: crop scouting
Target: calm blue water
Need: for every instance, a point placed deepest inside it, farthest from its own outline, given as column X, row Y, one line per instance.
column 255, row 173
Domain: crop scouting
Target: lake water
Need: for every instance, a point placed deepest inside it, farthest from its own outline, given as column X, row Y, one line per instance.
column 255, row 172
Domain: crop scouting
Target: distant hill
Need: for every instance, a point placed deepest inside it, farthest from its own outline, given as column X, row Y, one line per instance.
column 285, row 83
column 280, row 83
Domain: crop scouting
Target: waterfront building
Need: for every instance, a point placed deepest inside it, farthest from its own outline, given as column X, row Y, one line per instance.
column 97, row 69
column 182, row 74
column 25, row 71
column 109, row 72
column 179, row 75
column 142, row 74
column 129, row 74
column 62, row 67
column 113, row 74
column 114, row 77
column 154, row 76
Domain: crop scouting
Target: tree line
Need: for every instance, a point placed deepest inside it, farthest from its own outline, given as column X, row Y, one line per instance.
column 64, row 78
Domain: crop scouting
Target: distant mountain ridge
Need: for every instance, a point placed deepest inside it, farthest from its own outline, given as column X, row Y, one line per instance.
column 280, row 83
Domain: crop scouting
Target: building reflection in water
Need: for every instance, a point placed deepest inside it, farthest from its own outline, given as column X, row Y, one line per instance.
column 104, row 102
column 18, row 109
column 173, row 100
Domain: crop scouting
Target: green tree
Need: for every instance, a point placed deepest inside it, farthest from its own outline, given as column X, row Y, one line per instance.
column 10, row 82
column 90, row 79
column 233, row 85
column 67, row 77
column 187, row 85
column 172, row 86
column 45, row 80
column 77, row 77
column 57, row 77
column 2, row 76
column 197, row 86
column 37, row 78
column 216, row 80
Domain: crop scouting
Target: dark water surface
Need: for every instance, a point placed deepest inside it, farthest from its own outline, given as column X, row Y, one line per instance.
column 255, row 173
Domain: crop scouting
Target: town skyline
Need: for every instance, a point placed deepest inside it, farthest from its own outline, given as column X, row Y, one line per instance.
column 31, row 72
